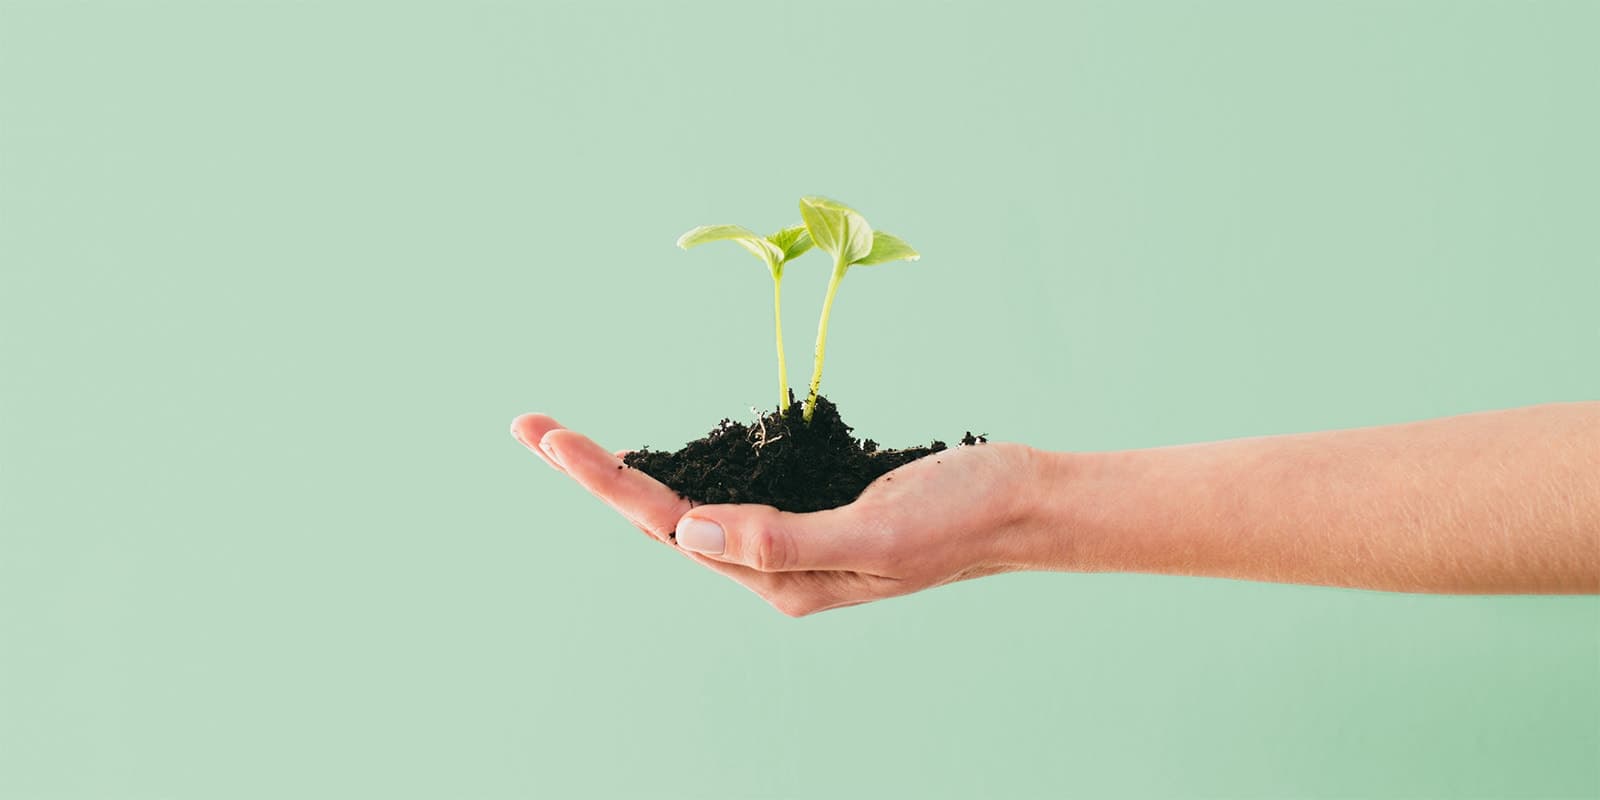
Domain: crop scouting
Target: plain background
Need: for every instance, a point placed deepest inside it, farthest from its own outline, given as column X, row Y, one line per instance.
column 275, row 277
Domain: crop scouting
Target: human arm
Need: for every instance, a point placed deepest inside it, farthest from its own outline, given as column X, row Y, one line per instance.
column 1505, row 501
column 1494, row 502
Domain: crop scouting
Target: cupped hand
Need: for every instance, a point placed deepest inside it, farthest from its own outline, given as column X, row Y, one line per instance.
column 956, row 514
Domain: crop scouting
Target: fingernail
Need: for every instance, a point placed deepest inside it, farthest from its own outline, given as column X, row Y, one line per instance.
column 700, row 535
column 550, row 452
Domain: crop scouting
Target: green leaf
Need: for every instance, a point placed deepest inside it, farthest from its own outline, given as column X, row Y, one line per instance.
column 714, row 233
column 794, row 242
column 759, row 247
column 888, row 247
column 837, row 229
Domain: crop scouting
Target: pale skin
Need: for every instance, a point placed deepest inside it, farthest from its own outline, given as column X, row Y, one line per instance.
column 1486, row 503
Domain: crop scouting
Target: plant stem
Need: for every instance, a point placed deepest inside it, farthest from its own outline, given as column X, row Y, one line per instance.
column 839, row 268
column 783, row 371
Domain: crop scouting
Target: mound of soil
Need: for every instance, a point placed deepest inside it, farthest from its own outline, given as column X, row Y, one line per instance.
column 779, row 461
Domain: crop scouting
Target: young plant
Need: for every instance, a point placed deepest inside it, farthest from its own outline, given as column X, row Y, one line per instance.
column 841, row 232
column 776, row 250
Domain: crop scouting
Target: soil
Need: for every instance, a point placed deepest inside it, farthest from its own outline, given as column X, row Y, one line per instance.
column 778, row 461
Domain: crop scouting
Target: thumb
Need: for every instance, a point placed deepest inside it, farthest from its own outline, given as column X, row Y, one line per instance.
column 768, row 540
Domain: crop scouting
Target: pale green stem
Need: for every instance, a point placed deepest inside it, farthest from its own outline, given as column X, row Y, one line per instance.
column 783, row 371
column 839, row 268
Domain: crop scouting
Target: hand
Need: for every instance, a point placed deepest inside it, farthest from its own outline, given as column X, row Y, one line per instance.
column 957, row 514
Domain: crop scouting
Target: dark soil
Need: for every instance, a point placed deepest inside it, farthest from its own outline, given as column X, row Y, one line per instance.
column 779, row 461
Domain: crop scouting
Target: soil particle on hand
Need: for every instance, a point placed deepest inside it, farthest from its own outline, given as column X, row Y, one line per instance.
column 779, row 461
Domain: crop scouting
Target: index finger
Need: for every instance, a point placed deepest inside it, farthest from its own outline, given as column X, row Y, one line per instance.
column 645, row 501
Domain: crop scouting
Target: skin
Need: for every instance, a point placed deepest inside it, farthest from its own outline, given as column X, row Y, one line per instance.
column 1496, row 502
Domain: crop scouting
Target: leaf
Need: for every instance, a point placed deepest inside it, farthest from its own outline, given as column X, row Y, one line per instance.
column 759, row 247
column 888, row 247
column 837, row 229
column 794, row 242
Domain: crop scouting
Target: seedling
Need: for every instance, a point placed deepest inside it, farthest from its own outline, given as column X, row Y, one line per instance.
column 776, row 250
column 841, row 232
column 779, row 460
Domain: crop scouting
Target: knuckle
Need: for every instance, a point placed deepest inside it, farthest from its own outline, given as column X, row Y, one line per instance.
column 769, row 549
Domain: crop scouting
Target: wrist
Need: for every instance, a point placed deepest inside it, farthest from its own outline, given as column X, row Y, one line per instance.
column 1091, row 512
column 1047, row 531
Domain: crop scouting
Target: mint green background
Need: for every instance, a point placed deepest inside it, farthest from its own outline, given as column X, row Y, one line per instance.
column 274, row 278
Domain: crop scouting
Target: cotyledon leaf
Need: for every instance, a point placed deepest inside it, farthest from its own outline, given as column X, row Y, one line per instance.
column 837, row 229
column 758, row 246
column 888, row 247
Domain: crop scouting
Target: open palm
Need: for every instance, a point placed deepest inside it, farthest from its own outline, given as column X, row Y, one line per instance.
column 953, row 515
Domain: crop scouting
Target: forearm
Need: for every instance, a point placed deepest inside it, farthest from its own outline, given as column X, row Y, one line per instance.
column 1505, row 501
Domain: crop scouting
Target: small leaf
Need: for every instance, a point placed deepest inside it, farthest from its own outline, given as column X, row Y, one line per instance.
column 714, row 233
column 888, row 247
column 794, row 242
column 837, row 229
column 759, row 247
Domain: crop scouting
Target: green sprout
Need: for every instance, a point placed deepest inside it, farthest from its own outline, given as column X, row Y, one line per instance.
column 841, row 232
column 776, row 250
